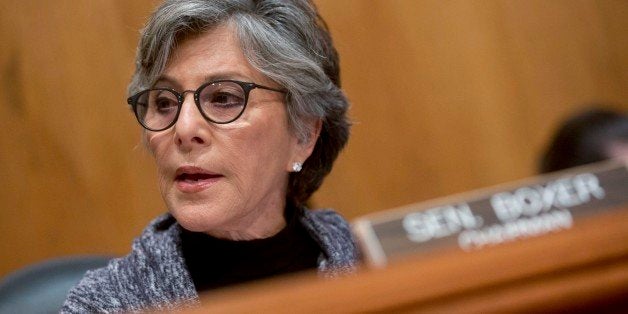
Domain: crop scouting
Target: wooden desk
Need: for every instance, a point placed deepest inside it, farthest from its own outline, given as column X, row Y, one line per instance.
column 584, row 268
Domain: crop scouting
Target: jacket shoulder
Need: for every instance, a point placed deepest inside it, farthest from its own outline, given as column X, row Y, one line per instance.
column 152, row 275
column 95, row 293
column 333, row 233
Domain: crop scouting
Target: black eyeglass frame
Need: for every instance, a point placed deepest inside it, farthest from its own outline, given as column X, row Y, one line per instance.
column 247, row 87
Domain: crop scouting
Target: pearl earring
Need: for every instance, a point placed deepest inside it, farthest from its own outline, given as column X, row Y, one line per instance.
column 297, row 166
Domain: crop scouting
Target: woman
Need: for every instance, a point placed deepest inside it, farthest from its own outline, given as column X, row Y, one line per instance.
column 242, row 111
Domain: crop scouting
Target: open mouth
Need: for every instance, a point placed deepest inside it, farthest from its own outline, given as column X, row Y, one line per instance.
column 193, row 176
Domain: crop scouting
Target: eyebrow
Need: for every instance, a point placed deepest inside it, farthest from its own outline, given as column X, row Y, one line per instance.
column 165, row 79
column 209, row 78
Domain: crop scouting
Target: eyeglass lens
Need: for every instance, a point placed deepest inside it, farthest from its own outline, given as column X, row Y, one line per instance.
column 220, row 102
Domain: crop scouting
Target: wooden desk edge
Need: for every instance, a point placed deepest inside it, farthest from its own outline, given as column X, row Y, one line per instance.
column 591, row 246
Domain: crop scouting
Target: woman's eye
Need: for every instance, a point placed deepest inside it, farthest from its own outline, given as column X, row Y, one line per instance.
column 164, row 104
column 226, row 99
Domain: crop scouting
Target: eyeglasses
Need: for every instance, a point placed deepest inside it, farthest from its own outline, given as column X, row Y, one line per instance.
column 219, row 102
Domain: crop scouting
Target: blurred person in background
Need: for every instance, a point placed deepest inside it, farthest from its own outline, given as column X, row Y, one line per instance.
column 588, row 136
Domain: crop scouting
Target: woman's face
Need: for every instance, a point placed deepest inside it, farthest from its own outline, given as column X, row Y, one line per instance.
column 227, row 180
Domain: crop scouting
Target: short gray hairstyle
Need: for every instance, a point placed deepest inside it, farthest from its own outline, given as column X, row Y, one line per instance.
column 287, row 41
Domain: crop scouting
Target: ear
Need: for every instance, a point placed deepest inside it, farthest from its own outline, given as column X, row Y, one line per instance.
column 304, row 148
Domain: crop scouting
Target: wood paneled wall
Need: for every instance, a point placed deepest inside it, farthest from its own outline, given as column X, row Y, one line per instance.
column 447, row 96
column 454, row 95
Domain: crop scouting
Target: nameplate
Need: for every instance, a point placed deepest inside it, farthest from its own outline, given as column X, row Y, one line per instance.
column 504, row 214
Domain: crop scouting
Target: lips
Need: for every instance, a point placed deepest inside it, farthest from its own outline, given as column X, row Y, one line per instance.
column 190, row 179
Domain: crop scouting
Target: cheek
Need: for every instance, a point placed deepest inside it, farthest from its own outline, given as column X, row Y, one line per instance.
column 150, row 142
column 256, row 152
column 272, row 150
column 157, row 145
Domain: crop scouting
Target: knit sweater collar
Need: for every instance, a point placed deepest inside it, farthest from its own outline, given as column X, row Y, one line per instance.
column 161, row 242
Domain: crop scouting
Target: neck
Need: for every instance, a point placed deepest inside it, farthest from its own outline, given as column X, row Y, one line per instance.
column 264, row 224
column 266, row 231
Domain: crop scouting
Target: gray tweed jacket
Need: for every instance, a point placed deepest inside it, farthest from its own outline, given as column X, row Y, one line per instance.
column 154, row 276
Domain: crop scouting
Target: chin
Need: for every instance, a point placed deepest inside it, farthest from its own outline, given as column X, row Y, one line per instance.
column 196, row 219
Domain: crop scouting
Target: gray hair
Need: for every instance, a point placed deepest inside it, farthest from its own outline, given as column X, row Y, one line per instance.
column 287, row 41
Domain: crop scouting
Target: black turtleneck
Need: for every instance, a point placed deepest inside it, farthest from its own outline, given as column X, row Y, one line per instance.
column 215, row 263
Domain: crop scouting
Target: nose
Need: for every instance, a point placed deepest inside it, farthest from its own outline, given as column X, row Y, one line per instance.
column 191, row 130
